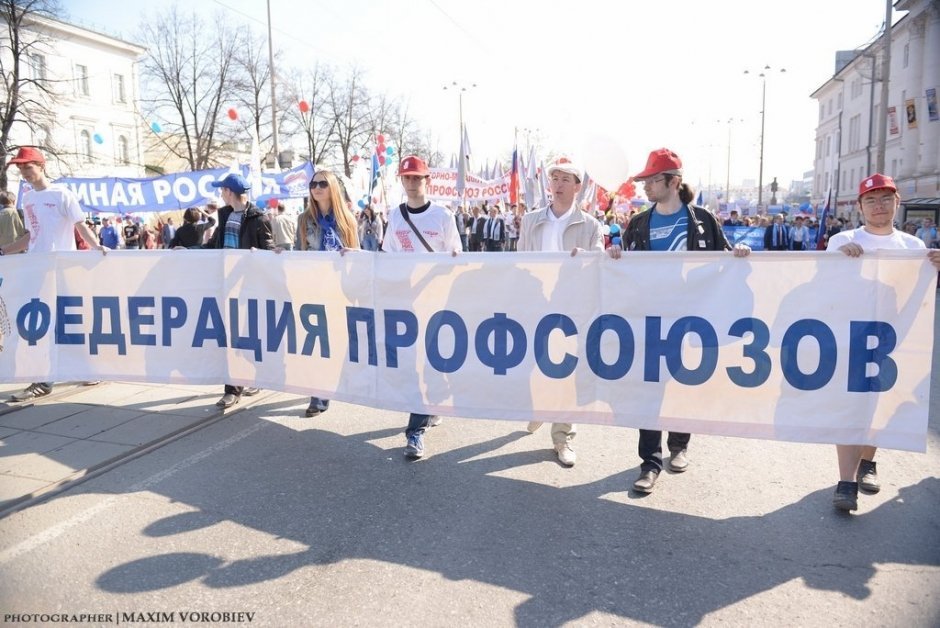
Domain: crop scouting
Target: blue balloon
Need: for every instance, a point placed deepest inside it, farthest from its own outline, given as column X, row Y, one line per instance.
column 614, row 229
column 155, row 127
column 98, row 139
column 362, row 204
column 616, row 241
column 389, row 151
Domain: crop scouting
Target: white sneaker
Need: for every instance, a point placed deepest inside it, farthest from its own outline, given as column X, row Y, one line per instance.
column 435, row 421
column 533, row 426
column 566, row 455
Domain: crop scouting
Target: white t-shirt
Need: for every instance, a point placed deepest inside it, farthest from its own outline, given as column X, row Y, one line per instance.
column 871, row 242
column 436, row 224
column 553, row 233
column 50, row 216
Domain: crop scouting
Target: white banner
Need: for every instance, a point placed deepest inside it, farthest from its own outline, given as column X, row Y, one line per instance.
column 443, row 187
column 808, row 347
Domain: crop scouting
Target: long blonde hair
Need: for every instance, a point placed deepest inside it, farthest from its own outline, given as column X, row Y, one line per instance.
column 345, row 222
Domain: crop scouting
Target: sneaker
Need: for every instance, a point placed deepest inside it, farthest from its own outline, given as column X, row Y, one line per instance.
column 33, row 391
column 678, row 461
column 646, row 482
column 533, row 426
column 566, row 455
column 435, row 421
column 312, row 410
column 249, row 391
column 92, row 382
column 846, row 496
column 867, row 476
column 415, row 447
column 227, row 401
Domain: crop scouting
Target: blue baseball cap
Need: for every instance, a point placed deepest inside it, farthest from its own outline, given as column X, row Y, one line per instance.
column 234, row 182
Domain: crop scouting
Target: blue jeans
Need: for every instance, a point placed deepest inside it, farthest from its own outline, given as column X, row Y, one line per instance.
column 370, row 243
column 417, row 423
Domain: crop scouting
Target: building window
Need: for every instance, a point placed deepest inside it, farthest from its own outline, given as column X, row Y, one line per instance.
column 119, row 95
column 907, row 54
column 822, row 110
column 851, row 178
column 37, row 66
column 828, row 145
column 894, row 168
column 81, row 80
column 829, row 113
column 855, row 132
column 122, row 151
column 839, row 105
column 856, row 88
column 84, row 146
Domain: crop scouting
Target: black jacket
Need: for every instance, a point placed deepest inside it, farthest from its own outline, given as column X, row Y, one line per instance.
column 704, row 232
column 255, row 231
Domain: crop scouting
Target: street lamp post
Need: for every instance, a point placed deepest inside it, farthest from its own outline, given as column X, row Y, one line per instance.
column 763, row 112
column 460, row 89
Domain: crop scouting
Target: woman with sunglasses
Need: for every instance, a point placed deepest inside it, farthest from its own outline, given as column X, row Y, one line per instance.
column 326, row 225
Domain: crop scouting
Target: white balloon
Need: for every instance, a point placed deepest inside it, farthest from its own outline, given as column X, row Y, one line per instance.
column 605, row 161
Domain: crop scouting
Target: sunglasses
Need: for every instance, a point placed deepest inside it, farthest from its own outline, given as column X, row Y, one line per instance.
column 321, row 184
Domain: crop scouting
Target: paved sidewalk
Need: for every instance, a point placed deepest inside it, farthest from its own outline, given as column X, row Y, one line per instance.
column 77, row 431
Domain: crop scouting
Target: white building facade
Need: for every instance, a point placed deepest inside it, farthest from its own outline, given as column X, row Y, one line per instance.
column 850, row 106
column 89, row 125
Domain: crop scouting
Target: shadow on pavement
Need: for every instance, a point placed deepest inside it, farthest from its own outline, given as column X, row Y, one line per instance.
column 573, row 550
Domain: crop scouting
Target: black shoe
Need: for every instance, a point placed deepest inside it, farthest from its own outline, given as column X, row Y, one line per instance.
column 846, row 497
column 227, row 401
column 867, row 476
column 249, row 391
column 33, row 391
column 646, row 482
column 312, row 410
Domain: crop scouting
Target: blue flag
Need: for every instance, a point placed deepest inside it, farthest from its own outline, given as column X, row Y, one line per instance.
column 821, row 232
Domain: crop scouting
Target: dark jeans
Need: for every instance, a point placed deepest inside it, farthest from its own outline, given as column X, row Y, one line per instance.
column 650, row 448
column 233, row 390
column 494, row 245
column 463, row 242
column 417, row 423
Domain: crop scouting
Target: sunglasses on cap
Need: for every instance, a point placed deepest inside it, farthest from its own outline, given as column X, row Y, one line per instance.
column 323, row 184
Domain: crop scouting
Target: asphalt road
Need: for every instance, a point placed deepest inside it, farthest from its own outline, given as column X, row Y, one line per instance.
column 322, row 522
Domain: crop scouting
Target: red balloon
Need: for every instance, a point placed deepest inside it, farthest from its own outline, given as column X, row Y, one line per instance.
column 304, row 106
column 380, row 138
column 382, row 159
column 355, row 158
column 232, row 114
column 272, row 203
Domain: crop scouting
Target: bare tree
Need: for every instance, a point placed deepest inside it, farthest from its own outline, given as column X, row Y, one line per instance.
column 316, row 124
column 190, row 71
column 348, row 103
column 29, row 95
column 252, row 88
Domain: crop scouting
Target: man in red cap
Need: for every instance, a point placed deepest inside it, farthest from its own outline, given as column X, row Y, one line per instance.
column 53, row 217
column 878, row 200
column 416, row 226
column 561, row 227
column 673, row 223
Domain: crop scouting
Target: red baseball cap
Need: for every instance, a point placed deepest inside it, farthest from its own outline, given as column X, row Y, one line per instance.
column 661, row 161
column 28, row 154
column 876, row 182
column 413, row 165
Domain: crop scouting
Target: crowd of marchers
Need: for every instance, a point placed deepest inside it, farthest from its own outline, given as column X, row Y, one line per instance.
column 52, row 220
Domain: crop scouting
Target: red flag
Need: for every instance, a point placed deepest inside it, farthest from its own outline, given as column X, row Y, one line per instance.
column 514, row 178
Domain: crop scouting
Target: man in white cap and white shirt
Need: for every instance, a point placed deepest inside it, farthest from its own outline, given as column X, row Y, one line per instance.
column 419, row 226
column 561, row 227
